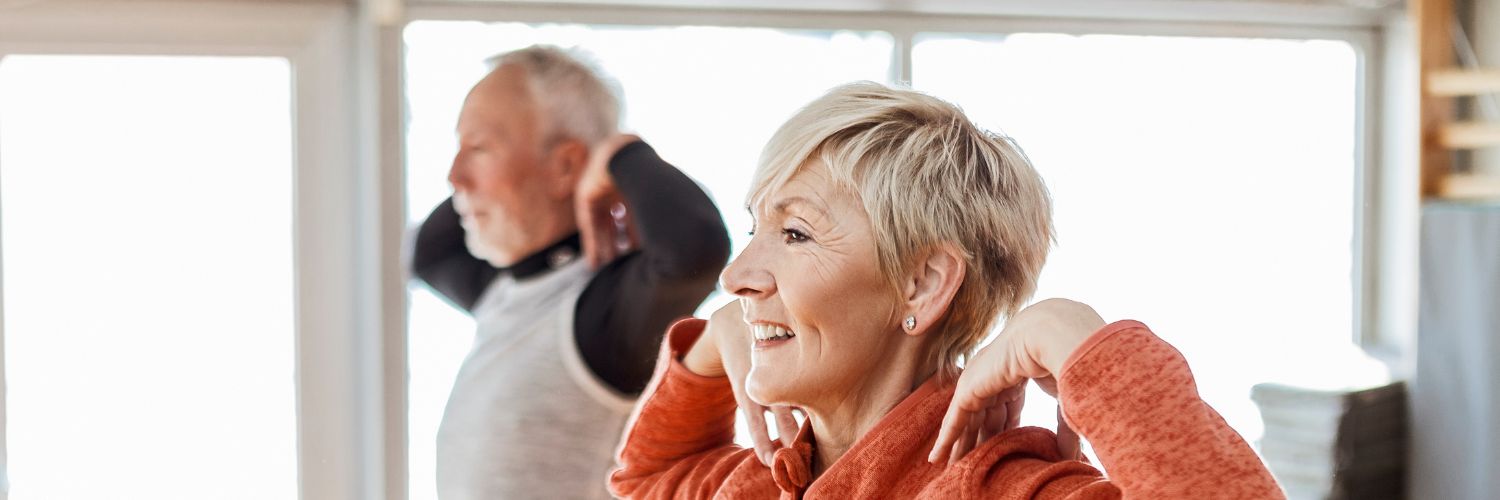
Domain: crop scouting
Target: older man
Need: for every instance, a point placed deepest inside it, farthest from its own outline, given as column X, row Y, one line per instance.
column 567, row 329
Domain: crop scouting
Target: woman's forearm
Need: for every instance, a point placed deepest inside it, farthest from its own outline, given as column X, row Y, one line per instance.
column 682, row 430
column 1132, row 395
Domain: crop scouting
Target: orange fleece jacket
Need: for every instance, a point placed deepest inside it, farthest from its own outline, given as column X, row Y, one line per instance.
column 1125, row 390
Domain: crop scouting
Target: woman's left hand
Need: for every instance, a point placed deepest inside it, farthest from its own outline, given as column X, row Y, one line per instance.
column 724, row 351
column 1033, row 346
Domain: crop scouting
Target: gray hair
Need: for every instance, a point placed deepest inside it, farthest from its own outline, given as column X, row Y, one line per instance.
column 575, row 101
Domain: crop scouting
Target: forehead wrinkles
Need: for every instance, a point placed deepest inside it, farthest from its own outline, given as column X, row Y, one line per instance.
column 774, row 176
column 801, row 189
column 806, row 203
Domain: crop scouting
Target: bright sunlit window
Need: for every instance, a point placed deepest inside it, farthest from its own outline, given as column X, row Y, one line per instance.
column 1203, row 186
column 706, row 98
column 146, row 219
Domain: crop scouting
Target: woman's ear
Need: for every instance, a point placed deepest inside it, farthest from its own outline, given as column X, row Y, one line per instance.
column 931, row 287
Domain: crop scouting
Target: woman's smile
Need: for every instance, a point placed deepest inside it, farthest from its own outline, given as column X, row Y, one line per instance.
column 767, row 336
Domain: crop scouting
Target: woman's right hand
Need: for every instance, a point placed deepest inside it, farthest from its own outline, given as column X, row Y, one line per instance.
column 724, row 350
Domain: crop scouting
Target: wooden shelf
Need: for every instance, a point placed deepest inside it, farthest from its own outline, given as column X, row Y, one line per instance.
column 1469, row 135
column 1463, row 82
column 1471, row 187
column 1440, row 132
column 1433, row 20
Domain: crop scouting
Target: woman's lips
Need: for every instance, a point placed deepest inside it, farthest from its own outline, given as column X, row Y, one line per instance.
column 767, row 344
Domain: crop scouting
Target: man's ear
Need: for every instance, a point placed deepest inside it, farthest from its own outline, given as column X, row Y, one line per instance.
column 930, row 287
column 566, row 163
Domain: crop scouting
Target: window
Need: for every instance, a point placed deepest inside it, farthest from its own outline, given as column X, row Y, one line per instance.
column 707, row 98
column 146, row 221
column 272, row 119
column 1202, row 185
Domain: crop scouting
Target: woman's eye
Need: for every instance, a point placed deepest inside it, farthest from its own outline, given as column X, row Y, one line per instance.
column 794, row 236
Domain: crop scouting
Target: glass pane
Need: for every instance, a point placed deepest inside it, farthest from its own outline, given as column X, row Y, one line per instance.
column 147, row 239
column 707, row 98
column 1203, row 186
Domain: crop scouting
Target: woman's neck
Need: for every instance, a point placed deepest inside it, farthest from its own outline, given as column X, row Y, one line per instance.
column 842, row 420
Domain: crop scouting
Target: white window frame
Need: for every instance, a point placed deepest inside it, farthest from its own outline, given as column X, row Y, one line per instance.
column 341, row 312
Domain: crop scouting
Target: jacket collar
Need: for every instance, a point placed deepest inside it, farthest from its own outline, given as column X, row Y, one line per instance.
column 554, row 256
column 909, row 429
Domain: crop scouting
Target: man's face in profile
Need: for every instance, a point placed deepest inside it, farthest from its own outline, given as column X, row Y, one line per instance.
column 502, row 193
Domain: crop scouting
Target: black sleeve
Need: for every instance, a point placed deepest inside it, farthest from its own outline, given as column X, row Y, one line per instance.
column 624, row 311
column 441, row 259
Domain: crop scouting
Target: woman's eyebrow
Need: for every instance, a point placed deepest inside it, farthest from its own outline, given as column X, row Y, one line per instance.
column 785, row 203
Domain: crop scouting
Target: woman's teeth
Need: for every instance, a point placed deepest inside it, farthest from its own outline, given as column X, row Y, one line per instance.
column 769, row 332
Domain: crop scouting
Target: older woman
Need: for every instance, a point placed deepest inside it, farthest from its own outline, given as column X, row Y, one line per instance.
column 890, row 235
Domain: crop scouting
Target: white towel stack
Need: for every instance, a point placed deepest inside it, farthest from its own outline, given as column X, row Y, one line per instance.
column 1335, row 444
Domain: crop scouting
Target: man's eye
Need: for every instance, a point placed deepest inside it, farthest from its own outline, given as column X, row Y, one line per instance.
column 794, row 236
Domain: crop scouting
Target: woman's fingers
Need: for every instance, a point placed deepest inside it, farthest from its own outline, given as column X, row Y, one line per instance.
column 993, row 418
column 966, row 439
column 961, row 421
column 954, row 421
column 1048, row 385
column 966, row 404
column 786, row 424
column 755, row 417
column 1013, row 406
column 1067, row 438
column 760, row 438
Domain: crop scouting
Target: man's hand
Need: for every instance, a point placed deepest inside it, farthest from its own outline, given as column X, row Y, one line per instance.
column 1033, row 346
column 604, row 221
column 724, row 349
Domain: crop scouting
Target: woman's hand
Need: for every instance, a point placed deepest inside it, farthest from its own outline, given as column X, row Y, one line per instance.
column 604, row 225
column 724, row 350
column 1033, row 346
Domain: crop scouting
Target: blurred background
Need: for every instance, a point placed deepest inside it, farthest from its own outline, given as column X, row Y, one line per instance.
column 203, row 206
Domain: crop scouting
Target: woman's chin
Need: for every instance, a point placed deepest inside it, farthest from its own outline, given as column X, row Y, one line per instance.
column 763, row 387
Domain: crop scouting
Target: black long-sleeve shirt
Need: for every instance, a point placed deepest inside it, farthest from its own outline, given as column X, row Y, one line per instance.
column 629, row 303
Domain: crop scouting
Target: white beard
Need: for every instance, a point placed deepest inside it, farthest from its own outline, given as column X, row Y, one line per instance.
column 479, row 249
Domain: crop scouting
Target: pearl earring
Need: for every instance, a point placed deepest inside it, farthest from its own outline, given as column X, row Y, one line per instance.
column 911, row 323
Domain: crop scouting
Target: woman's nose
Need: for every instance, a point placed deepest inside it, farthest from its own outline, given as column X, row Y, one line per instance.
column 747, row 276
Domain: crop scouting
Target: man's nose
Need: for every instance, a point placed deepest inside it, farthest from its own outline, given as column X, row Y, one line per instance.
column 456, row 175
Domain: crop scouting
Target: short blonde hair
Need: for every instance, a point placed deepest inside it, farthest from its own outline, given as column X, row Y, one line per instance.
column 927, row 176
